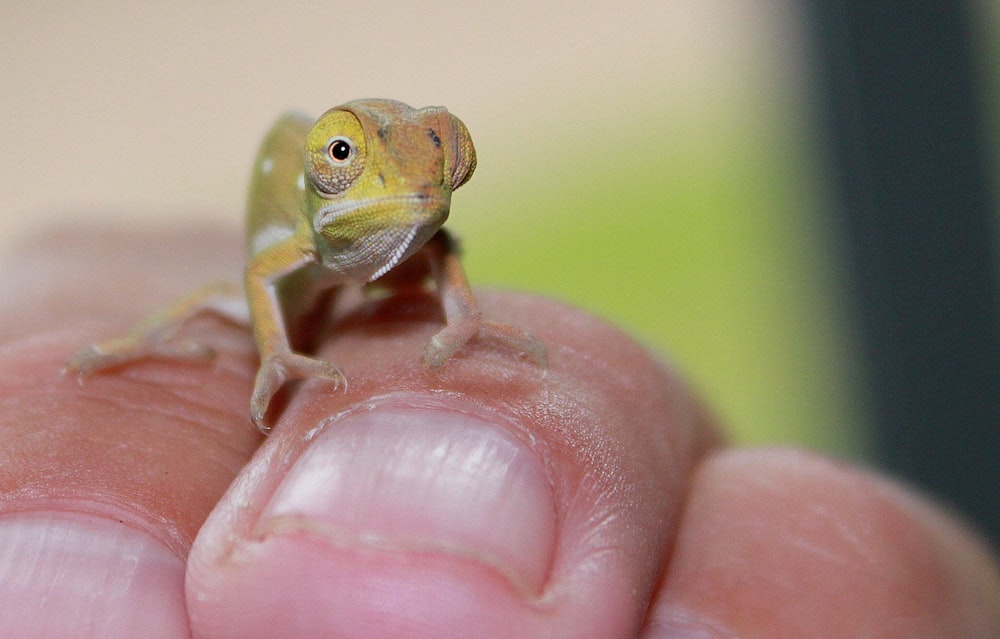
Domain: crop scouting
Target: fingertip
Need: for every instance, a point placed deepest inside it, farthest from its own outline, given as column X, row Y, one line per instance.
column 483, row 496
column 66, row 574
column 787, row 543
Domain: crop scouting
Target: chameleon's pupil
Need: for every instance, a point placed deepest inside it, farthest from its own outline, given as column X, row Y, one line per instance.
column 340, row 150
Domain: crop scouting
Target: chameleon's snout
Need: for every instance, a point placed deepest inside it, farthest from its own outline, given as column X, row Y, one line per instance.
column 369, row 237
column 351, row 220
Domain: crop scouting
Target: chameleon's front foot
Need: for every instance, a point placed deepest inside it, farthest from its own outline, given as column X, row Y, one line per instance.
column 448, row 340
column 276, row 369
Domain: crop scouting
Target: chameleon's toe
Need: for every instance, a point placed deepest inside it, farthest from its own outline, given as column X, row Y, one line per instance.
column 86, row 360
column 516, row 339
column 104, row 355
column 184, row 349
column 447, row 341
column 277, row 369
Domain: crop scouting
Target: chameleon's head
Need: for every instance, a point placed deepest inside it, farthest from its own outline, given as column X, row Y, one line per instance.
column 379, row 181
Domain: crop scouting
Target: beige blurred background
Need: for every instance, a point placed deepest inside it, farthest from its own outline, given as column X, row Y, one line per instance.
column 653, row 162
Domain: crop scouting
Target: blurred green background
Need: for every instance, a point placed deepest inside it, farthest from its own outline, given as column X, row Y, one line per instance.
column 656, row 163
column 703, row 236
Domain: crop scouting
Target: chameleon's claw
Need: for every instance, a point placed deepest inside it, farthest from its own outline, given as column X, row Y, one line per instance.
column 450, row 339
column 277, row 369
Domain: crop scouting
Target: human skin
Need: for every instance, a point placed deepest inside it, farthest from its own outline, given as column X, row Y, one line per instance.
column 594, row 499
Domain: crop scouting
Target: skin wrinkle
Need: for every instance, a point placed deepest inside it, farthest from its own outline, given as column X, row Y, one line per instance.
column 113, row 450
column 189, row 411
column 182, row 413
column 607, row 492
column 803, row 540
column 182, row 422
column 600, row 490
column 624, row 490
column 596, row 544
column 598, row 453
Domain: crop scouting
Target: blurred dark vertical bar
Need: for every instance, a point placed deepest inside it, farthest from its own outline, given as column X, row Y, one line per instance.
column 903, row 106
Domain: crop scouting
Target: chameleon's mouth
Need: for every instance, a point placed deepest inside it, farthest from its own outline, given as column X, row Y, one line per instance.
column 385, row 210
column 368, row 237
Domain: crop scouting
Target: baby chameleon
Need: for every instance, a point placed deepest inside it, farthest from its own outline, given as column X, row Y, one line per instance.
column 337, row 203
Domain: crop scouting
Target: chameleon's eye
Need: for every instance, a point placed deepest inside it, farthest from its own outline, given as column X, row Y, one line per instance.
column 335, row 152
column 340, row 150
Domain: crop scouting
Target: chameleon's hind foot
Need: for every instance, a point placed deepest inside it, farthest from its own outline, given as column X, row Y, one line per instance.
column 155, row 337
column 126, row 350
column 451, row 338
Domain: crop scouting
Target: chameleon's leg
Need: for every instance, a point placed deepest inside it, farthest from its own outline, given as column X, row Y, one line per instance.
column 278, row 363
column 154, row 336
column 463, row 318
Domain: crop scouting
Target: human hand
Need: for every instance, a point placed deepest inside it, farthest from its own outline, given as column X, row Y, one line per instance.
column 488, row 500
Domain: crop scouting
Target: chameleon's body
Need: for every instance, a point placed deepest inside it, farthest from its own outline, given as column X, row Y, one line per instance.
column 339, row 202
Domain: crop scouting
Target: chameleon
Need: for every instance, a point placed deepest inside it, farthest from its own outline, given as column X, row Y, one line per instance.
column 354, row 199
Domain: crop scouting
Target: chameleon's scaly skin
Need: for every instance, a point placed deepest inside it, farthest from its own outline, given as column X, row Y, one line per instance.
column 339, row 202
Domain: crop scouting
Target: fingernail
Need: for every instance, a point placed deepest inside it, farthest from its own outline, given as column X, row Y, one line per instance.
column 428, row 482
column 74, row 575
column 684, row 626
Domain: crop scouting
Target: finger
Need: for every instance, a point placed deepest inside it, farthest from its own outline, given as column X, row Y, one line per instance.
column 786, row 544
column 68, row 277
column 490, row 498
column 104, row 484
